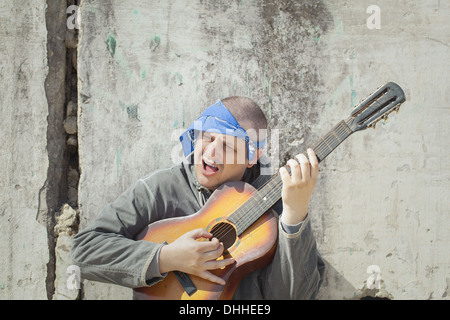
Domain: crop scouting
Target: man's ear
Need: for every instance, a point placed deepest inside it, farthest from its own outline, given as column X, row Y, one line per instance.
column 258, row 154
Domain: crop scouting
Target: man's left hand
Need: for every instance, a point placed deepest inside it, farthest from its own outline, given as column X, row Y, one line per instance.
column 298, row 187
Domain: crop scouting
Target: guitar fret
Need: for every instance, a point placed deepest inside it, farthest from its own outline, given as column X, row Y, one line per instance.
column 319, row 154
column 327, row 144
column 335, row 136
column 268, row 195
column 330, row 141
column 346, row 128
column 270, row 192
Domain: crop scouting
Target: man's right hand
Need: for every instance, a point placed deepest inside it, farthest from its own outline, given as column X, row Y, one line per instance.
column 194, row 257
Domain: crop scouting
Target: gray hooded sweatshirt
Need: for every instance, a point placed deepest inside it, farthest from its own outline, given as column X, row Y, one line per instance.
column 106, row 250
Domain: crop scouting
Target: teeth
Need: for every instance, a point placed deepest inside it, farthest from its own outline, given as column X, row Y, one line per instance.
column 209, row 164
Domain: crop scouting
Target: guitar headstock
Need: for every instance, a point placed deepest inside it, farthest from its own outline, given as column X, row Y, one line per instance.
column 376, row 107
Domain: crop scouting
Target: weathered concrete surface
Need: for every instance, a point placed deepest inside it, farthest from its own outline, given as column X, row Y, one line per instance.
column 147, row 70
column 66, row 226
column 23, row 121
column 385, row 190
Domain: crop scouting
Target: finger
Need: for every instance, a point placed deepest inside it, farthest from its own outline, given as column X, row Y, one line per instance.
column 305, row 166
column 211, row 277
column 314, row 163
column 213, row 251
column 218, row 264
column 207, row 248
column 198, row 233
column 296, row 174
column 285, row 177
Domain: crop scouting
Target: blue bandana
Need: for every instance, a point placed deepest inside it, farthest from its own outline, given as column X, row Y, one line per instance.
column 218, row 119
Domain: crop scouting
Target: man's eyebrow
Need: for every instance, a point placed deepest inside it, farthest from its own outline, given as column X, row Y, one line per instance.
column 234, row 142
column 227, row 140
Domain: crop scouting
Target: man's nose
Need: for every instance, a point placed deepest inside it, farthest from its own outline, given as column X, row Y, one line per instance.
column 214, row 150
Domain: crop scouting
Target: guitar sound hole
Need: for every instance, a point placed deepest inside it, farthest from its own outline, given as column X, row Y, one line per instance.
column 225, row 233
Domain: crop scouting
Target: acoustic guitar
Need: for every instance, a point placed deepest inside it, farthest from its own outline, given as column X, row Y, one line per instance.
column 239, row 215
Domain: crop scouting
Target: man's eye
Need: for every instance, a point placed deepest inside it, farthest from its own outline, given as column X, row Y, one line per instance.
column 206, row 138
column 229, row 147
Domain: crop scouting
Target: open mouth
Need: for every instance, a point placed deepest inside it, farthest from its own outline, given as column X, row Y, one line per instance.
column 209, row 168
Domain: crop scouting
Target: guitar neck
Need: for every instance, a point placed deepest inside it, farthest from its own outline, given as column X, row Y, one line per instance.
column 270, row 192
column 325, row 145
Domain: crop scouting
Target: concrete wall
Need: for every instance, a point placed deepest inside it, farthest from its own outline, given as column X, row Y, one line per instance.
column 382, row 197
column 39, row 167
column 147, row 69
column 24, row 161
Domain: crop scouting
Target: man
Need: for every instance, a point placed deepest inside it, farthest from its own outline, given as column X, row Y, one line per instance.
column 224, row 144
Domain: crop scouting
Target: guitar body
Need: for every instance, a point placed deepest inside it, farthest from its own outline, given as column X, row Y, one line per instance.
column 252, row 249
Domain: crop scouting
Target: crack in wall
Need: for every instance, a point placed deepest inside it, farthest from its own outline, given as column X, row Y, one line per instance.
column 60, row 187
column 52, row 191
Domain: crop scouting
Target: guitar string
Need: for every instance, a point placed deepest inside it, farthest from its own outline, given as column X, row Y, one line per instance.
column 252, row 209
column 340, row 130
column 243, row 217
column 239, row 221
column 240, row 216
column 276, row 189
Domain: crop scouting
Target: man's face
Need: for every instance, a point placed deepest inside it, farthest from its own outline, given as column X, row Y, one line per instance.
column 219, row 158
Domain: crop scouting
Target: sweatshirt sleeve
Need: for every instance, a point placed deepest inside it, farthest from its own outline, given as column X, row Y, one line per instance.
column 106, row 250
column 297, row 269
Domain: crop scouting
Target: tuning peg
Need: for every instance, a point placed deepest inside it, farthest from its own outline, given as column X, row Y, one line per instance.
column 397, row 109
column 385, row 118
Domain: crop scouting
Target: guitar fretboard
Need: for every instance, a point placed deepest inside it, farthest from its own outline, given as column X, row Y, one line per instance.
column 270, row 192
column 331, row 140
